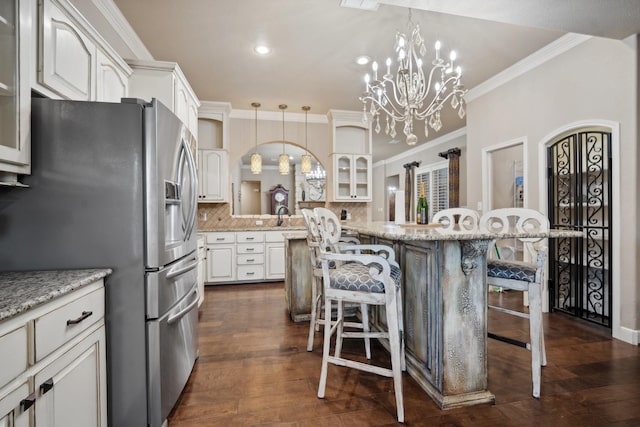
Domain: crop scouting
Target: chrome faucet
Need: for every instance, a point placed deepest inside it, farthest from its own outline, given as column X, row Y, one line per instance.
column 279, row 212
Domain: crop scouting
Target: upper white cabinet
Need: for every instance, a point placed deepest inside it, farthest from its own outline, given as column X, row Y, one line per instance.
column 213, row 177
column 75, row 62
column 350, row 175
column 165, row 82
column 213, row 158
column 16, row 20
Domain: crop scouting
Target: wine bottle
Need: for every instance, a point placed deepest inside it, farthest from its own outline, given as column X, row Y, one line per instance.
column 423, row 206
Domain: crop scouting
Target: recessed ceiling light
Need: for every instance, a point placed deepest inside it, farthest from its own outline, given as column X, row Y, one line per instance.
column 362, row 60
column 262, row 49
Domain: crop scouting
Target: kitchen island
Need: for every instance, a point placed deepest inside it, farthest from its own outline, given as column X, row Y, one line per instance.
column 444, row 304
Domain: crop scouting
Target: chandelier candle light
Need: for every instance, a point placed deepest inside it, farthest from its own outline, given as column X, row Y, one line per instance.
column 408, row 95
column 283, row 159
column 305, row 159
column 256, row 158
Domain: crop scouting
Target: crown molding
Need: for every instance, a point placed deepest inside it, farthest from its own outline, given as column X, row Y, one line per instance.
column 426, row 146
column 121, row 26
column 547, row 53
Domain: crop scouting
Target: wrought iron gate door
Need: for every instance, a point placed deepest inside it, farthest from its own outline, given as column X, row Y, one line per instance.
column 579, row 168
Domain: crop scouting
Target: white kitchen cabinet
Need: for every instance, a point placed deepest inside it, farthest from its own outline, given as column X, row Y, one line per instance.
column 165, row 82
column 16, row 20
column 54, row 363
column 72, row 389
column 75, row 62
column 352, row 177
column 274, row 255
column 245, row 256
column 213, row 175
column 112, row 83
column 15, row 406
column 221, row 257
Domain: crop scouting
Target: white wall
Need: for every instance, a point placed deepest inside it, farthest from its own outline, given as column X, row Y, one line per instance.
column 595, row 80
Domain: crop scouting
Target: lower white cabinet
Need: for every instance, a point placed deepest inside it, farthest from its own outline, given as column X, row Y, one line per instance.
column 221, row 257
column 202, row 268
column 60, row 350
column 274, row 255
column 244, row 256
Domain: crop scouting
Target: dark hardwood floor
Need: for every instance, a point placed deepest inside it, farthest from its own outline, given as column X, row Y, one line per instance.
column 254, row 370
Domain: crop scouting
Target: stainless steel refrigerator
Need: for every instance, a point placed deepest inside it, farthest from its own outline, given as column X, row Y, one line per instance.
column 114, row 185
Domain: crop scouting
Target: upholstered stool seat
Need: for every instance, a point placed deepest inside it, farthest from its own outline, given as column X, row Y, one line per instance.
column 513, row 270
column 357, row 277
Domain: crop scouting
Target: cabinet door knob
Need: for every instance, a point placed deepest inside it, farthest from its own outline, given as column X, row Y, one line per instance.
column 46, row 386
column 28, row 402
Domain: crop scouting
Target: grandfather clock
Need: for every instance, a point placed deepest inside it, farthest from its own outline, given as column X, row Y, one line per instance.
column 279, row 197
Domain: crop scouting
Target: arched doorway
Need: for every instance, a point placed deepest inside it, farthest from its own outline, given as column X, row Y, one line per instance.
column 579, row 196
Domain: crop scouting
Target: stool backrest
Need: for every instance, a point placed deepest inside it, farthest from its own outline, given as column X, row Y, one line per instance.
column 329, row 226
column 519, row 220
column 457, row 219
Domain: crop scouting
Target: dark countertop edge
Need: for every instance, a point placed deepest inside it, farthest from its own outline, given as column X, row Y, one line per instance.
column 21, row 291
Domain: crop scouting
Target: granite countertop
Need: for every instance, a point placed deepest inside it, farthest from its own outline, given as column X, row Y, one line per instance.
column 406, row 232
column 23, row 290
column 283, row 228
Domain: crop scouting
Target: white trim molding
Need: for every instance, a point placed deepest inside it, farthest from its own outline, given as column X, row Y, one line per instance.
column 426, row 146
column 617, row 331
column 550, row 51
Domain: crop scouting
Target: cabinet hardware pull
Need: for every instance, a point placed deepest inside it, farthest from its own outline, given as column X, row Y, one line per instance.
column 251, row 260
column 250, row 238
column 46, row 386
column 28, row 402
column 219, row 238
column 250, row 249
column 83, row 316
column 250, row 273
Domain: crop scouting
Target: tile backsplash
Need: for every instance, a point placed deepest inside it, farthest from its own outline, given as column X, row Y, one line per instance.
column 212, row 216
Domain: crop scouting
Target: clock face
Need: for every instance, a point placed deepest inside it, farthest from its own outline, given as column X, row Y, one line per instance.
column 279, row 197
column 315, row 193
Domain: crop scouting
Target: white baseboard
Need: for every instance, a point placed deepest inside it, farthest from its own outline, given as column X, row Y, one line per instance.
column 627, row 335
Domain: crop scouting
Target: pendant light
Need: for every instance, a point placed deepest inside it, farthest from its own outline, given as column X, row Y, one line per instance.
column 283, row 159
column 256, row 158
column 305, row 159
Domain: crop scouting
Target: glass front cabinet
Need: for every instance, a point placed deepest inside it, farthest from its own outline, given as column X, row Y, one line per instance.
column 352, row 177
column 15, row 101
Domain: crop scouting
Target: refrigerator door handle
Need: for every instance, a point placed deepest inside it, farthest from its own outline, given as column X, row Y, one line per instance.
column 178, row 271
column 194, row 185
column 174, row 318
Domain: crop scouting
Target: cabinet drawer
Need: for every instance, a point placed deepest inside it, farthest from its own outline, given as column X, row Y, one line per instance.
column 214, row 238
column 13, row 354
column 250, row 259
column 250, row 248
column 58, row 326
column 250, row 236
column 250, row 272
column 273, row 236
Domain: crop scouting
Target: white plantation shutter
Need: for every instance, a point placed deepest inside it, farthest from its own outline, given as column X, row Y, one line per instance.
column 436, row 179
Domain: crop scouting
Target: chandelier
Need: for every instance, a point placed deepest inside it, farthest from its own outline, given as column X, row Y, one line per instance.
column 409, row 95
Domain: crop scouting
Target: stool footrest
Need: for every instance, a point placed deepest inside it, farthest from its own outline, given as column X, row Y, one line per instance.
column 360, row 366
column 508, row 340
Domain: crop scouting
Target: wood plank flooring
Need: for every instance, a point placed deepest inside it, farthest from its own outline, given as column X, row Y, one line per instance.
column 254, row 370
